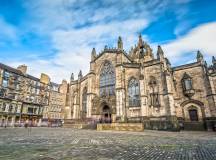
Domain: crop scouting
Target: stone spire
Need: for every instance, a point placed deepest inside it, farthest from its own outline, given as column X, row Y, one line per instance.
column 199, row 56
column 80, row 75
column 160, row 52
column 213, row 60
column 72, row 77
column 120, row 43
column 93, row 54
column 140, row 41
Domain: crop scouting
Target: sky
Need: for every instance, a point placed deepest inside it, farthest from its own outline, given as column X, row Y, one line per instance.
column 56, row 37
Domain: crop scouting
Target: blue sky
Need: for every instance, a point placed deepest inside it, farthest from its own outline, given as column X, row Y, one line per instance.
column 56, row 36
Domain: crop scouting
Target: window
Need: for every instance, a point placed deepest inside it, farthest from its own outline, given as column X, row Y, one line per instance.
column 133, row 92
column 10, row 108
column 107, row 80
column 84, row 100
column 6, row 75
column 5, row 83
column 187, row 82
column 154, row 96
column 30, row 110
column 154, row 99
column 193, row 115
column 16, row 109
column 2, row 92
column 3, row 107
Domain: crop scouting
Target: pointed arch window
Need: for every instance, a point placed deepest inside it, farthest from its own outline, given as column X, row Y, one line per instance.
column 107, row 80
column 187, row 85
column 187, row 82
column 154, row 96
column 134, row 92
column 84, row 101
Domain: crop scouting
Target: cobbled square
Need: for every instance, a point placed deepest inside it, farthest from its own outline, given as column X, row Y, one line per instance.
column 73, row 144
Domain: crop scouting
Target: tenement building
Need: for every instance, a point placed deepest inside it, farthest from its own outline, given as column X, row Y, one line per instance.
column 141, row 87
column 55, row 111
column 22, row 96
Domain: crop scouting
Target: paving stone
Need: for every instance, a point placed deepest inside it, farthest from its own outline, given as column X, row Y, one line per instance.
column 65, row 144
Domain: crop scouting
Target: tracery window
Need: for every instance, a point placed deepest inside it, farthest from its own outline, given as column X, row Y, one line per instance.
column 154, row 96
column 107, row 80
column 187, row 82
column 84, row 101
column 134, row 92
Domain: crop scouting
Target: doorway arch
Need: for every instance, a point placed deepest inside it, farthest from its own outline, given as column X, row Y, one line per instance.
column 106, row 114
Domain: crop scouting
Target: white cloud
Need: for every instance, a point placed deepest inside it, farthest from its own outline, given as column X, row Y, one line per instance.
column 7, row 31
column 201, row 38
column 74, row 48
column 59, row 19
column 74, row 27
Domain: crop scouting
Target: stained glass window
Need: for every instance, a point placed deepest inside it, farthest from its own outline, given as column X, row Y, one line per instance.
column 187, row 82
column 107, row 80
column 133, row 92
column 84, row 100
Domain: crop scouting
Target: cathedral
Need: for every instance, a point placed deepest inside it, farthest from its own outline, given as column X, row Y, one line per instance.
column 142, row 87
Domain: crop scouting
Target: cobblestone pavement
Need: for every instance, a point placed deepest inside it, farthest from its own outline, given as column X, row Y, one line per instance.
column 67, row 144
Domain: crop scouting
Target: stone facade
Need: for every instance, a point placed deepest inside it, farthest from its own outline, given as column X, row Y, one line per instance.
column 147, row 89
column 22, row 96
column 54, row 113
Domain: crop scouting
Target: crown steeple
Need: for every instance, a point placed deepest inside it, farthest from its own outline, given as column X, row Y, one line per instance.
column 140, row 41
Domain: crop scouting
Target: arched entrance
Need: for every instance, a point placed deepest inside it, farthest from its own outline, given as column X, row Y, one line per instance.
column 106, row 114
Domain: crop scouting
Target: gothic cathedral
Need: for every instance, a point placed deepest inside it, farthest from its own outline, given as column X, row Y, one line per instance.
column 139, row 87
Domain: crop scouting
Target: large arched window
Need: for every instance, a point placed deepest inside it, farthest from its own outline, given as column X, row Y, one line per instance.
column 84, row 101
column 133, row 93
column 107, row 80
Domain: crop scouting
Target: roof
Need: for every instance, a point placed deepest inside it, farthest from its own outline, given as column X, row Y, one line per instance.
column 16, row 71
column 32, row 77
column 10, row 69
column 113, row 50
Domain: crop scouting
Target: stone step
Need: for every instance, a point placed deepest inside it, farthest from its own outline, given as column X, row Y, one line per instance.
column 80, row 126
column 137, row 127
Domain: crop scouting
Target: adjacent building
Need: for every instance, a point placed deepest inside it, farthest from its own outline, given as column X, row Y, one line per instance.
column 54, row 113
column 22, row 96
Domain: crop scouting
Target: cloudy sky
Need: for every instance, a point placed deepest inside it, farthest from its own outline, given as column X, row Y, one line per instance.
column 56, row 36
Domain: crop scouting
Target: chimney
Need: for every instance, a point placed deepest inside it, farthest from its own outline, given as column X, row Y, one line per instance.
column 44, row 78
column 22, row 68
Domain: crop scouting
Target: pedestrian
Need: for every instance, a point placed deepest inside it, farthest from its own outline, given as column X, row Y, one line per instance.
column 29, row 127
column 26, row 124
